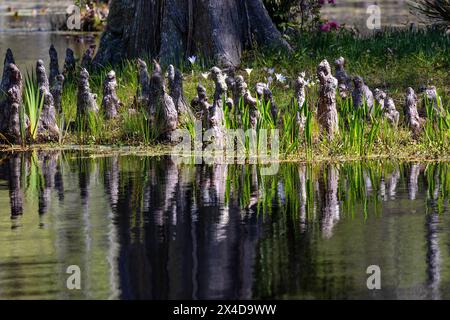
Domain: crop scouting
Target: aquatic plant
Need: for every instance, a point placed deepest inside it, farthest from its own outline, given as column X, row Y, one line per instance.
column 33, row 102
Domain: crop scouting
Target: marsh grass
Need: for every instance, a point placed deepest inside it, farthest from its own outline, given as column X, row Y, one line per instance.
column 392, row 60
column 33, row 102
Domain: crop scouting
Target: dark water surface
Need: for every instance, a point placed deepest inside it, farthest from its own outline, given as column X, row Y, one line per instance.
column 145, row 228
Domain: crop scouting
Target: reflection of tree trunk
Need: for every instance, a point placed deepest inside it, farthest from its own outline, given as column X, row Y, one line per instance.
column 329, row 191
column 15, row 190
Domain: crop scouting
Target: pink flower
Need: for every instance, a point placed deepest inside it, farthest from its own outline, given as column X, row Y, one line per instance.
column 333, row 24
column 321, row 2
column 325, row 27
column 332, row 1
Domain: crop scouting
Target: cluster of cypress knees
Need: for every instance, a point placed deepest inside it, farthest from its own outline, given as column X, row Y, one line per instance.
column 168, row 108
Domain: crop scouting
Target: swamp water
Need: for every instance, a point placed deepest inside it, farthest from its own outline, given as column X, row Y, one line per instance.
column 143, row 227
column 26, row 27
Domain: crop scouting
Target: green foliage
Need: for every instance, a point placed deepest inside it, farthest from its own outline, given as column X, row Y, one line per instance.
column 33, row 102
column 303, row 14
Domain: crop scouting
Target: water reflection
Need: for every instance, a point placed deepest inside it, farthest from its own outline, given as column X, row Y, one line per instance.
column 146, row 228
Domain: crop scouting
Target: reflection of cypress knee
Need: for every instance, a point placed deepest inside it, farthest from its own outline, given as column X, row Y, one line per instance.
column 413, row 180
column 329, row 190
column 433, row 254
column 111, row 180
column 59, row 182
column 47, row 161
column 15, row 190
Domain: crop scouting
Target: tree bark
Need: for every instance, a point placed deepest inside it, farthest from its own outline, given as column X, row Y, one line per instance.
column 171, row 30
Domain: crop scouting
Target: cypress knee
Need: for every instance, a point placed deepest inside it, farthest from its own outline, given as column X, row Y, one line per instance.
column 47, row 127
column 432, row 98
column 175, row 78
column 163, row 112
column 201, row 106
column 215, row 115
column 54, row 64
column 327, row 113
column 110, row 102
column 414, row 122
column 390, row 112
column 300, row 98
column 57, row 90
column 344, row 81
column 9, row 58
column 249, row 102
column 265, row 94
column 143, row 91
column 69, row 64
column 88, row 56
column 362, row 94
column 10, row 122
column 379, row 96
column 86, row 100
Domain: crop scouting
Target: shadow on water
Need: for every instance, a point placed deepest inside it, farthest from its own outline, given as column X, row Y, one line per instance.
column 146, row 228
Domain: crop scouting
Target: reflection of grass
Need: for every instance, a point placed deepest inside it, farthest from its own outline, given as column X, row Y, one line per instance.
column 358, row 191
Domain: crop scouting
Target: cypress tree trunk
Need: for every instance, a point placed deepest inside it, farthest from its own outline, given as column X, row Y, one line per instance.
column 171, row 30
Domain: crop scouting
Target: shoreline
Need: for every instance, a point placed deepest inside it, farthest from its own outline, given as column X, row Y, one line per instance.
column 163, row 151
